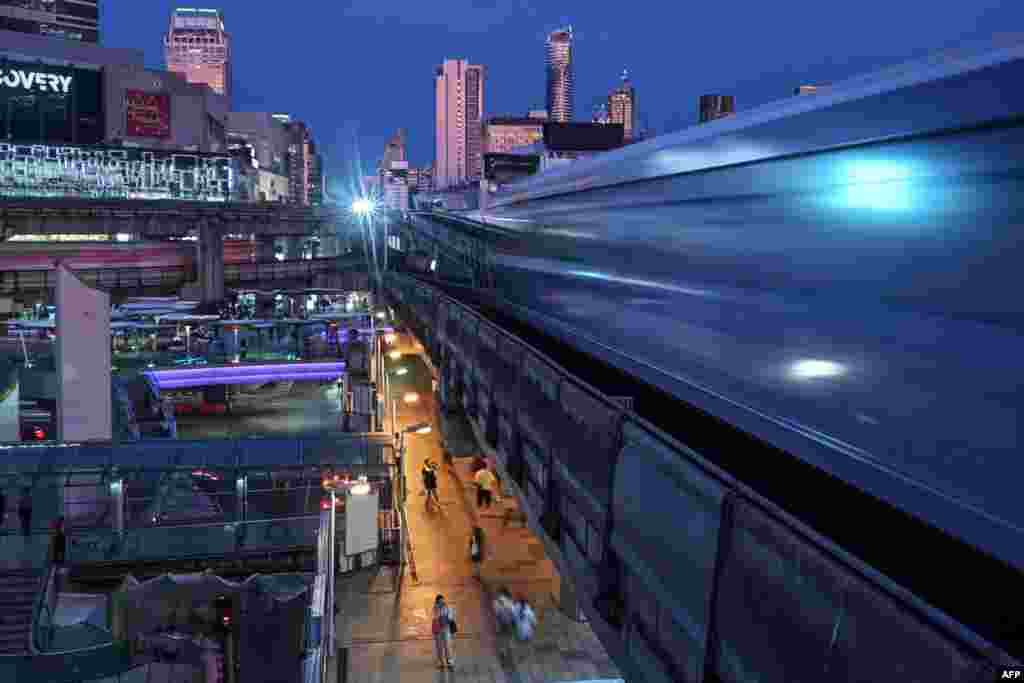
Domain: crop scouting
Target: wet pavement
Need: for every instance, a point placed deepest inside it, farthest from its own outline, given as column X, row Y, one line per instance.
column 383, row 624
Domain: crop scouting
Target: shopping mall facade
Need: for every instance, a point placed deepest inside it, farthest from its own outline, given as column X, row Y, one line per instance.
column 79, row 120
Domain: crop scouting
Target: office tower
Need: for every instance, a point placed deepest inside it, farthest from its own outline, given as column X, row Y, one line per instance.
column 601, row 114
column 560, row 71
column 72, row 20
column 716, row 107
column 304, row 167
column 197, row 47
column 622, row 107
column 459, row 113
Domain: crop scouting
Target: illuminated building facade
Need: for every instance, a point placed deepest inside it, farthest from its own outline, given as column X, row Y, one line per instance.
column 504, row 134
column 198, row 47
column 622, row 107
column 113, row 173
column 560, row 75
column 69, row 19
column 459, row 92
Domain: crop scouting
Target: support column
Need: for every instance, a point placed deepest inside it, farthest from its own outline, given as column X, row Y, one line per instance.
column 265, row 250
column 211, row 263
column 293, row 247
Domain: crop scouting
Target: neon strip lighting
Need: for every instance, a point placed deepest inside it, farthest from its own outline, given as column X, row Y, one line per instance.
column 186, row 382
column 242, row 368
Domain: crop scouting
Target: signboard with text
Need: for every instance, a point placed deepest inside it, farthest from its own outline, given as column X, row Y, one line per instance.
column 148, row 114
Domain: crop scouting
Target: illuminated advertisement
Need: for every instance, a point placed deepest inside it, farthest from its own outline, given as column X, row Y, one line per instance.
column 113, row 173
column 42, row 103
column 148, row 114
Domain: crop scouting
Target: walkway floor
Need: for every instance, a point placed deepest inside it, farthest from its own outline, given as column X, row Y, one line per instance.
column 384, row 620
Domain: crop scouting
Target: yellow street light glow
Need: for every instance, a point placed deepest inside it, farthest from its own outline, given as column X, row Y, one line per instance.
column 395, row 355
column 411, row 397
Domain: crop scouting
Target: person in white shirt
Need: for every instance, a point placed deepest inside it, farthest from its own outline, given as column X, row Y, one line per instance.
column 526, row 620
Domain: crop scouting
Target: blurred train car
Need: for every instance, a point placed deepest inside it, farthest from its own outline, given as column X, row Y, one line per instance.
column 20, row 256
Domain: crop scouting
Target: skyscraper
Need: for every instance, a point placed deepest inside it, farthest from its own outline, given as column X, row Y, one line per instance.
column 197, row 47
column 622, row 107
column 459, row 121
column 716, row 107
column 77, row 20
column 560, row 81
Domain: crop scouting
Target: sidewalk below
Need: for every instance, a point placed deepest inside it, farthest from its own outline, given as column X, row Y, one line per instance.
column 383, row 623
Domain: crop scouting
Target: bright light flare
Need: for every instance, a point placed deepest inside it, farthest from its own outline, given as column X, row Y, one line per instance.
column 395, row 355
column 362, row 207
column 401, row 371
column 815, row 369
column 411, row 397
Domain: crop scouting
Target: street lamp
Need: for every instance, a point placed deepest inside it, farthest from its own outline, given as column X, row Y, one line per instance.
column 401, row 371
column 362, row 207
column 418, row 428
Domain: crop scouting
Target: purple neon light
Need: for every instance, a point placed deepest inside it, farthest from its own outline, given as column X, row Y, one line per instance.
column 185, row 382
column 225, row 370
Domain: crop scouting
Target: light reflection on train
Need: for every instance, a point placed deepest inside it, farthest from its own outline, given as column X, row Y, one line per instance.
column 21, row 256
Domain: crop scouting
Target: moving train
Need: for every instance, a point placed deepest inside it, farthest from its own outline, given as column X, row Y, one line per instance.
column 101, row 255
column 832, row 273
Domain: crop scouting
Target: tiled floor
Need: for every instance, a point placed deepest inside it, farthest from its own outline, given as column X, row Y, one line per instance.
column 384, row 624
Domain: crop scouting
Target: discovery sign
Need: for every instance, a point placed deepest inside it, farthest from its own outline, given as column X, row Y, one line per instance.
column 35, row 81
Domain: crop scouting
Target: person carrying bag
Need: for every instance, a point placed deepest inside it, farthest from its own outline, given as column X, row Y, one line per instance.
column 443, row 627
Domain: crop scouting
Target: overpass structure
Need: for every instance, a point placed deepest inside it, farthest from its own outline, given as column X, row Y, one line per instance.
column 822, row 367
column 209, row 222
column 332, row 271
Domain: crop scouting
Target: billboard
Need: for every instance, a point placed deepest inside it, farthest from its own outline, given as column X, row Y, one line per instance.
column 148, row 114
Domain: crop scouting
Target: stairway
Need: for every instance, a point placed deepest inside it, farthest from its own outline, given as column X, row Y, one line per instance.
column 18, row 591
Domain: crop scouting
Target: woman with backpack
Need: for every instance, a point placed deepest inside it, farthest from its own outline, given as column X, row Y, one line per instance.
column 443, row 628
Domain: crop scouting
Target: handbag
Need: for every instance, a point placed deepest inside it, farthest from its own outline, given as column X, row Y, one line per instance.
column 453, row 626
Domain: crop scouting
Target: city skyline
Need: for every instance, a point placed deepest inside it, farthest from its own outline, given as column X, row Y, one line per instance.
column 780, row 49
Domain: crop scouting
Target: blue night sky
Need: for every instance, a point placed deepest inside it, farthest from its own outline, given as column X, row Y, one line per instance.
column 356, row 70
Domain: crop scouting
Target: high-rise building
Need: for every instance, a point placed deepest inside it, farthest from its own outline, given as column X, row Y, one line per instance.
column 198, row 47
column 69, row 19
column 622, row 107
column 806, row 89
column 560, row 75
column 716, row 107
column 459, row 121
column 304, row 166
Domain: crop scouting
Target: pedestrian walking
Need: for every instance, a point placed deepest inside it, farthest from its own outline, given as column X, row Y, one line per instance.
column 505, row 618
column 526, row 620
column 430, row 483
column 484, row 488
column 443, row 627
column 25, row 511
column 476, row 549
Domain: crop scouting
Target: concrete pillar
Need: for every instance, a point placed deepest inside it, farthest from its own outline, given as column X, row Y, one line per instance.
column 293, row 247
column 211, row 263
column 265, row 249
